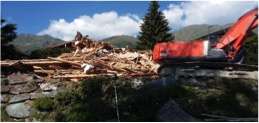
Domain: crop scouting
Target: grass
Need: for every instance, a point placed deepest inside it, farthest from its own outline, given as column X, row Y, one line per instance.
column 43, row 104
column 229, row 97
column 94, row 100
column 4, row 115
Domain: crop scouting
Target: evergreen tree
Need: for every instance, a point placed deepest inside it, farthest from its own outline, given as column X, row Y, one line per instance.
column 154, row 29
column 251, row 50
column 8, row 34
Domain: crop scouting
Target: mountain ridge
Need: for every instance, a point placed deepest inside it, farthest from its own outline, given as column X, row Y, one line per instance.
column 26, row 43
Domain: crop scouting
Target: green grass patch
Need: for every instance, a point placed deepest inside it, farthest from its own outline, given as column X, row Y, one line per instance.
column 4, row 115
column 43, row 104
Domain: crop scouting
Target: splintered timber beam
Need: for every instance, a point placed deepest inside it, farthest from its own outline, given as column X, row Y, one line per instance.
column 44, row 71
column 71, row 76
column 83, row 76
column 65, row 61
column 8, row 63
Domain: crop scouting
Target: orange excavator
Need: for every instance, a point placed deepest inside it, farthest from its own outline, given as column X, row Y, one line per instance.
column 225, row 52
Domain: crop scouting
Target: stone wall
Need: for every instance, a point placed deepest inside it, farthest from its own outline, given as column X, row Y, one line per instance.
column 17, row 92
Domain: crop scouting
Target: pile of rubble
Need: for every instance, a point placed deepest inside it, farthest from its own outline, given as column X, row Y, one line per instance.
column 94, row 59
column 102, row 59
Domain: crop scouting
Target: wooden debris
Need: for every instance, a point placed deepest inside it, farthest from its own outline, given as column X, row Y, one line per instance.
column 106, row 60
column 82, row 76
column 39, row 62
column 44, row 71
column 65, row 61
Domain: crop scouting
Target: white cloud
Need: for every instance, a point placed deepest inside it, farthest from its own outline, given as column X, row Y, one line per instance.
column 106, row 24
column 100, row 25
column 206, row 12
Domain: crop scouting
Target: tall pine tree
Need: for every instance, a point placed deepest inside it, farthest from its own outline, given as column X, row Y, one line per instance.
column 154, row 29
column 8, row 34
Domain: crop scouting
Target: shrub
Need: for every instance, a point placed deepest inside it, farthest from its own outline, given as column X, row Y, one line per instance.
column 251, row 50
column 43, row 104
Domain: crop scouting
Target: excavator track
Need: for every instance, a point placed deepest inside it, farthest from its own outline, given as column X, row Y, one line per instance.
column 211, row 65
column 208, row 69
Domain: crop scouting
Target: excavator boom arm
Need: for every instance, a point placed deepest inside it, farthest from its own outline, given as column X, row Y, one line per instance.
column 236, row 33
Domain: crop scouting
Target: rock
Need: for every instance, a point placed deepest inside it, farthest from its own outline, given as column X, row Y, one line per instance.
column 47, row 87
column 36, row 95
column 5, row 89
column 137, row 83
column 19, row 98
column 24, row 88
column 28, row 120
column 50, row 93
column 39, row 80
column 35, row 120
column 18, row 110
column 19, row 78
column 255, row 90
column 17, row 120
column 171, row 112
column 4, row 98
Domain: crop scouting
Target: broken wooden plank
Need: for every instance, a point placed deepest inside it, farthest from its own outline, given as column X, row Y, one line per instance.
column 28, row 62
column 44, row 71
column 65, row 61
column 83, row 76
column 7, row 64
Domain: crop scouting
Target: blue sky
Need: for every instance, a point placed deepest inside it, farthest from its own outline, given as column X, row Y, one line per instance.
column 101, row 19
column 32, row 17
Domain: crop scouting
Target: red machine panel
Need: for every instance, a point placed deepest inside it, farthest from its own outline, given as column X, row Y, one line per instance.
column 193, row 49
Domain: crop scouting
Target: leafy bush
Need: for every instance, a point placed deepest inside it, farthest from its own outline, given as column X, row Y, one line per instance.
column 251, row 50
column 43, row 104
column 43, row 116
column 85, row 103
column 229, row 97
